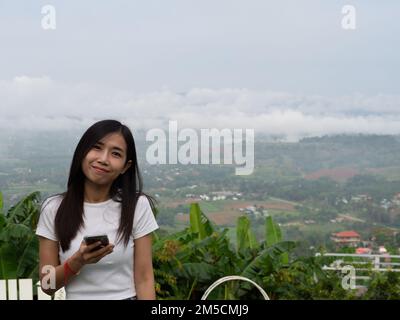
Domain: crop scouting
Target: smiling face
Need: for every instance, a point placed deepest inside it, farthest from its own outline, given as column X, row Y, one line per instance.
column 105, row 161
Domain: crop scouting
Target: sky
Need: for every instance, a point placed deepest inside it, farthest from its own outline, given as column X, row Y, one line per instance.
column 279, row 67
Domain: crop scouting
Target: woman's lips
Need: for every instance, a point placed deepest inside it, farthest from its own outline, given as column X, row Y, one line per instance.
column 99, row 170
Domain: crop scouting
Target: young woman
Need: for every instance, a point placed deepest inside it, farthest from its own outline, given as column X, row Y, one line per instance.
column 104, row 197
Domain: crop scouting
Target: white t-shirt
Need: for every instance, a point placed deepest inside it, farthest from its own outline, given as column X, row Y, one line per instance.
column 112, row 277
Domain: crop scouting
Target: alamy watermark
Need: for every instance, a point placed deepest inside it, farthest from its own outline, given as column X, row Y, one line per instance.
column 49, row 279
column 49, row 22
column 349, row 280
column 49, row 17
column 196, row 148
column 349, row 19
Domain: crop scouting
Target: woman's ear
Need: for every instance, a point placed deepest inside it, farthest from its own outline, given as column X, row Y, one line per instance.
column 128, row 164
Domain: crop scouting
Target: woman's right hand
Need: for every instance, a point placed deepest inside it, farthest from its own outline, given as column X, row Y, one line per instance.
column 86, row 255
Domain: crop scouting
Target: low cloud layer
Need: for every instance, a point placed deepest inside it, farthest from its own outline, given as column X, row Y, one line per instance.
column 44, row 104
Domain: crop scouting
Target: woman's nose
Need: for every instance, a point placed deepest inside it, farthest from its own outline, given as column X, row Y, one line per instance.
column 104, row 156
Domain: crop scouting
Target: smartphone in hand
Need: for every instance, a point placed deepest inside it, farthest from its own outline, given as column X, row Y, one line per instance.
column 92, row 239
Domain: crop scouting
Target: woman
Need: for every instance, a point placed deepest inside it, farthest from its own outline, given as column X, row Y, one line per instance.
column 104, row 197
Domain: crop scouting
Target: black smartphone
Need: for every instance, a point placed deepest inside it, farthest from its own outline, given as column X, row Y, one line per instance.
column 92, row 239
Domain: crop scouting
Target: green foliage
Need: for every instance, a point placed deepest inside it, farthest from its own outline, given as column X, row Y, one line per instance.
column 18, row 242
column 186, row 263
column 305, row 280
column 274, row 235
column 272, row 231
column 244, row 235
column 384, row 286
column 1, row 203
column 198, row 222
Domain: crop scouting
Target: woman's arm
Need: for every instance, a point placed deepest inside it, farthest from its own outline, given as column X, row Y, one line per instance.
column 51, row 273
column 143, row 268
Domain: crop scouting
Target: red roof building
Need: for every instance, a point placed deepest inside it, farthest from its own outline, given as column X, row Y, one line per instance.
column 346, row 238
column 363, row 251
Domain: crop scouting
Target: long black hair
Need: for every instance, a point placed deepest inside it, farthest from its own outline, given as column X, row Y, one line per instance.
column 127, row 188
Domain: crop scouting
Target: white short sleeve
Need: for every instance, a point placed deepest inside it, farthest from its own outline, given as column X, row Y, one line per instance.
column 144, row 221
column 48, row 211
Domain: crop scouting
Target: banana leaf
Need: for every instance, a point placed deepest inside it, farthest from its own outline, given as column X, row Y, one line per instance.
column 245, row 238
column 199, row 223
column 272, row 232
column 8, row 261
column 268, row 259
column 1, row 203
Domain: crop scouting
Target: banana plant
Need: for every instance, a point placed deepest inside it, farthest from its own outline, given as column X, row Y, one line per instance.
column 245, row 237
column 187, row 262
column 273, row 235
column 258, row 260
column 2, row 218
column 18, row 242
column 199, row 223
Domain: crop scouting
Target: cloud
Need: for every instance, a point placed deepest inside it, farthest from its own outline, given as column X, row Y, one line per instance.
column 43, row 103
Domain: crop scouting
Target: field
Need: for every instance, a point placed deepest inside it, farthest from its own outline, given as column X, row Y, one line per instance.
column 226, row 212
column 337, row 174
column 389, row 173
column 14, row 192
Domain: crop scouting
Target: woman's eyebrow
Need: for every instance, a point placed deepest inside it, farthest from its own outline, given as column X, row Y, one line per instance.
column 114, row 147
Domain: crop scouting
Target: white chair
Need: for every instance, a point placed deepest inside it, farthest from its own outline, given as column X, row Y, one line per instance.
column 22, row 289
column 58, row 295
column 230, row 278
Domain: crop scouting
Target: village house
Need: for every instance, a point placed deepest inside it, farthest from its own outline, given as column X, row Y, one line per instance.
column 385, row 204
column 361, row 198
column 396, row 199
column 346, row 238
column 362, row 250
column 215, row 198
column 223, row 193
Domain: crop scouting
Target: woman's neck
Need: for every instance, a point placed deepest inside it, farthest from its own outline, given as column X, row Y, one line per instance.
column 96, row 193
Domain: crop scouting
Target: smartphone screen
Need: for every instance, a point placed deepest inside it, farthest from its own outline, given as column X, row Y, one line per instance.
column 92, row 239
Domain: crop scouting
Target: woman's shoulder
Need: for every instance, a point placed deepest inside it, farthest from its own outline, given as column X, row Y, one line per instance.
column 142, row 199
column 145, row 201
column 52, row 201
column 145, row 205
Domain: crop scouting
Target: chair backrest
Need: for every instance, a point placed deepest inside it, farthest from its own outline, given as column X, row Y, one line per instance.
column 230, row 278
column 22, row 289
